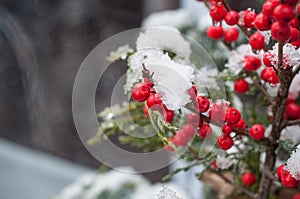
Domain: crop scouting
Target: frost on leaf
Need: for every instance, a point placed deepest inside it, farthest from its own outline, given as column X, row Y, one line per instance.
column 293, row 163
column 167, row 193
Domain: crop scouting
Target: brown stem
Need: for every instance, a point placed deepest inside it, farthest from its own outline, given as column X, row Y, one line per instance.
column 285, row 77
column 290, row 123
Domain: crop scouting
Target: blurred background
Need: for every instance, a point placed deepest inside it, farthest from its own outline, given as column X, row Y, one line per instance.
column 42, row 44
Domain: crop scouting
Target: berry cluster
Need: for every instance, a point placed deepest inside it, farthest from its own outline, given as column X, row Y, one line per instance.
column 286, row 178
column 144, row 92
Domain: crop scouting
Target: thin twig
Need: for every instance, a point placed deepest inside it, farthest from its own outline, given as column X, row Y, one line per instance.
column 290, row 123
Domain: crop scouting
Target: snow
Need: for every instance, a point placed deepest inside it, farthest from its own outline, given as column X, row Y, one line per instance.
column 295, row 87
column 291, row 56
column 267, row 35
column 293, row 163
column 171, row 81
column 179, row 18
column 292, row 133
column 164, row 39
column 167, row 193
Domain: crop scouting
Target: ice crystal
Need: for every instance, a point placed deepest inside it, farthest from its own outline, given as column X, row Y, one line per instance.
column 167, row 193
column 293, row 163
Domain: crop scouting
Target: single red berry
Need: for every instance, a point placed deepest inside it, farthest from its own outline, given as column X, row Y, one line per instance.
column 194, row 120
column 248, row 179
column 294, row 22
column 269, row 6
column 231, row 34
column 268, row 74
column 188, row 130
column 217, row 113
column 217, row 12
column 232, row 116
column 293, row 111
column 288, row 180
column 225, row 142
column 205, row 131
column 257, row 131
column 249, row 17
column 215, row 32
column 240, row 125
column 279, row 171
column 268, row 59
column 296, row 44
column 298, row 9
column 180, row 139
column 257, row 41
column 280, row 31
column 140, row 92
column 296, row 196
column 251, row 63
column 262, row 22
column 226, row 129
column 283, row 13
column 202, row 104
column 168, row 115
column 294, row 35
column 193, row 92
column 232, row 18
column 154, row 99
column 146, row 111
column 241, row 86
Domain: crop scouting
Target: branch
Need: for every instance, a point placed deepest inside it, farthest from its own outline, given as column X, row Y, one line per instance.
column 258, row 84
column 242, row 189
column 290, row 123
column 296, row 71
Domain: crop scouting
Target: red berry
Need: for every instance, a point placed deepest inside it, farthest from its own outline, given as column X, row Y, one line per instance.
column 154, row 99
column 202, row 104
column 217, row 12
column 257, row 41
column 283, row 13
column 217, row 113
column 281, row 31
column 296, row 196
column 268, row 74
column 240, row 125
column 249, row 17
column 146, row 111
column 188, row 130
column 290, row 2
column 257, row 131
column 269, row 7
column 226, row 129
column 205, row 131
column 180, row 139
column 268, row 59
column 249, row 179
column 262, row 22
column 232, row 116
column 241, row 86
column 168, row 115
column 140, row 92
column 232, row 18
column 296, row 44
column 231, row 34
column 193, row 92
column 194, row 120
column 215, row 32
column 225, row 142
column 292, row 111
column 214, row 165
column 294, row 35
column 279, row 171
column 251, row 63
column 288, row 180
column 298, row 9
column 294, row 22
